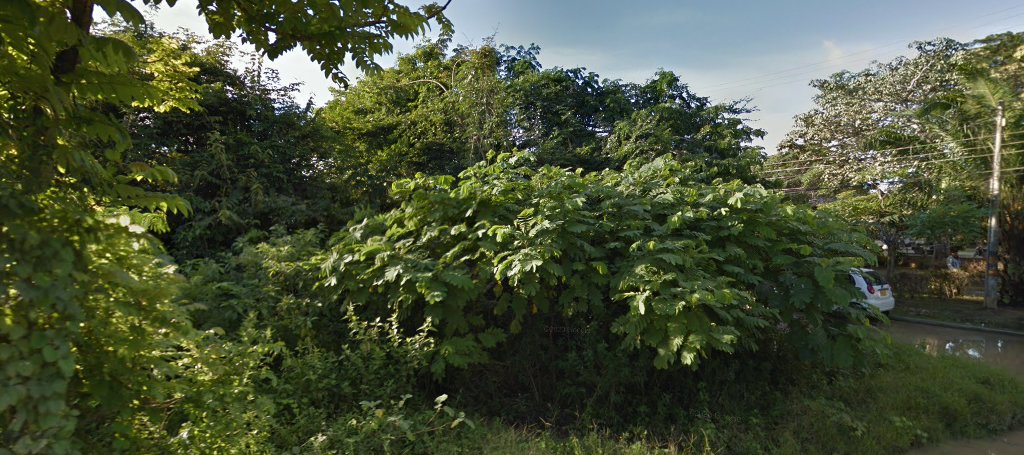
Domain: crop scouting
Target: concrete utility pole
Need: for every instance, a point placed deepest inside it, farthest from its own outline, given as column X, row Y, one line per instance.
column 992, row 252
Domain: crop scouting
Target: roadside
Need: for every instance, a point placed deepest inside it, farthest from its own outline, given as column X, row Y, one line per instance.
column 997, row 350
column 967, row 311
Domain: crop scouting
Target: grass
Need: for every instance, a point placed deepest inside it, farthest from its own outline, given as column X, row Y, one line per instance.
column 906, row 400
column 499, row 439
column 964, row 310
column 909, row 400
column 918, row 295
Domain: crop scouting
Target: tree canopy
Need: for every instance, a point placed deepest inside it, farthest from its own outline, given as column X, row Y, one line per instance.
column 913, row 138
column 77, row 272
column 193, row 262
column 440, row 110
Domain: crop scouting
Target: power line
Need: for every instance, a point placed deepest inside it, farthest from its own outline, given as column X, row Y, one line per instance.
column 893, row 150
column 905, row 157
column 815, row 64
column 916, row 162
column 894, row 160
column 818, row 188
column 759, row 77
column 904, row 179
column 960, row 158
column 804, row 78
column 974, row 156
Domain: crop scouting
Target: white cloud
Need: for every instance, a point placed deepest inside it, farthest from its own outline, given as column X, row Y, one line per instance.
column 833, row 53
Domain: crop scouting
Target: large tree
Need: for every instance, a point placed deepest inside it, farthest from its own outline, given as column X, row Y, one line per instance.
column 992, row 73
column 439, row 110
column 864, row 126
column 917, row 129
column 76, row 274
column 248, row 158
column 432, row 113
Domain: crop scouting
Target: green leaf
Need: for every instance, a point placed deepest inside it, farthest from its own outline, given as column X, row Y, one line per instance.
column 491, row 337
column 825, row 276
column 458, row 280
column 50, row 354
column 122, row 8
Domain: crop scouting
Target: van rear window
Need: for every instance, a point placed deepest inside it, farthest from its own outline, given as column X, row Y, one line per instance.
column 873, row 278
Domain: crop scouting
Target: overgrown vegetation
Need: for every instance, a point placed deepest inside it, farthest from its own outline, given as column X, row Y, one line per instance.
column 935, row 283
column 906, row 400
column 463, row 253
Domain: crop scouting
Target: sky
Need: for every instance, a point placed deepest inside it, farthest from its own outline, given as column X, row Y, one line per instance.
column 723, row 49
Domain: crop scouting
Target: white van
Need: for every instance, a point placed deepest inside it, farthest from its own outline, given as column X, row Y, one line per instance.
column 876, row 290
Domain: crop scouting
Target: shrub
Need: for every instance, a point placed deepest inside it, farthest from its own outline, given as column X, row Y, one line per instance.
column 939, row 283
column 648, row 255
column 301, row 375
column 910, row 283
column 949, row 283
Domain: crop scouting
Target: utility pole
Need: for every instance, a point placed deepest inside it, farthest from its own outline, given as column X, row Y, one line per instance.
column 992, row 252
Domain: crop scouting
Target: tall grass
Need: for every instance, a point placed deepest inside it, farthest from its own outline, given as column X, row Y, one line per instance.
column 905, row 400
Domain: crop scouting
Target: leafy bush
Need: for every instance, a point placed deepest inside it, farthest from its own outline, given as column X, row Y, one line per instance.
column 648, row 254
column 85, row 304
column 269, row 275
column 910, row 283
column 388, row 428
column 86, row 353
column 939, row 283
column 950, row 283
column 325, row 372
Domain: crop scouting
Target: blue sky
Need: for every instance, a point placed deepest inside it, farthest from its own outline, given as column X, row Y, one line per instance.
column 724, row 49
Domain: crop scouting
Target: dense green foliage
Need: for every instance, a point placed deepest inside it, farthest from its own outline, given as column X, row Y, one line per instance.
column 992, row 72
column 76, row 274
column 192, row 262
column 858, row 116
column 650, row 254
column 248, row 158
column 438, row 112
column 90, row 333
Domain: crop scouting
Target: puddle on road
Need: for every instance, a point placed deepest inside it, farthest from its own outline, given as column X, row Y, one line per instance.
column 1003, row 351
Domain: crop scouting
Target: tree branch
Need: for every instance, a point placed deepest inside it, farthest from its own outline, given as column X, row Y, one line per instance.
column 443, row 88
column 426, row 18
column 68, row 59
